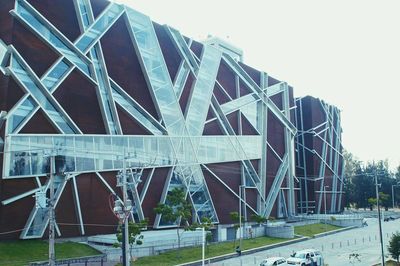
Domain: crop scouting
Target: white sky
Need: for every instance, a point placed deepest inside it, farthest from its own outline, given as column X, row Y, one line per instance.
column 345, row 52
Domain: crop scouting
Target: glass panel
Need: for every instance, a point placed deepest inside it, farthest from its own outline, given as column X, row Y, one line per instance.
column 202, row 91
column 157, row 72
column 44, row 31
column 99, row 27
column 47, row 106
column 55, row 74
column 21, row 113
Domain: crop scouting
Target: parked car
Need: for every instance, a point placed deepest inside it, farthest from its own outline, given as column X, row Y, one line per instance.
column 306, row 257
column 274, row 261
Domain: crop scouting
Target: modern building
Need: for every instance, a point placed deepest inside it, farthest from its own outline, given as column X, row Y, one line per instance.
column 319, row 158
column 97, row 86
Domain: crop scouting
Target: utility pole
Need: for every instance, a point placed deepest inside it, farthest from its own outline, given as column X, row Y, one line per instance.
column 379, row 218
column 125, row 232
column 52, row 255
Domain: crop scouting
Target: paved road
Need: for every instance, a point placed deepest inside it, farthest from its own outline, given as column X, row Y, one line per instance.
column 335, row 248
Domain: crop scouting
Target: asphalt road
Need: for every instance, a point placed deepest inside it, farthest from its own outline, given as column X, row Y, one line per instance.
column 335, row 248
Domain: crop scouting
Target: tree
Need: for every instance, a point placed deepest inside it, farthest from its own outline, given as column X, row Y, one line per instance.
column 258, row 219
column 384, row 200
column 235, row 218
column 134, row 235
column 372, row 203
column 394, row 246
column 176, row 210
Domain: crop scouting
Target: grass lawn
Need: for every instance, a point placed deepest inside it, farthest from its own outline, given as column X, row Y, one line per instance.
column 313, row 229
column 22, row 252
column 191, row 254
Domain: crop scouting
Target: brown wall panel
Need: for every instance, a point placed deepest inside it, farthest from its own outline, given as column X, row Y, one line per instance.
column 11, row 91
column 226, row 78
column 14, row 215
column 171, row 55
column 39, row 124
column 98, row 6
column 276, row 137
column 154, row 192
column 94, row 199
column 187, row 89
column 247, row 127
column 78, row 98
column 197, row 48
column 220, row 95
column 6, row 20
column 224, row 200
column 129, row 125
column 66, row 215
column 35, row 52
column 123, row 65
column 61, row 14
column 212, row 128
column 233, row 121
column 252, row 72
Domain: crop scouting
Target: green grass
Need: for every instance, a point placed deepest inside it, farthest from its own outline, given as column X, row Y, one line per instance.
column 194, row 253
column 22, row 252
column 313, row 229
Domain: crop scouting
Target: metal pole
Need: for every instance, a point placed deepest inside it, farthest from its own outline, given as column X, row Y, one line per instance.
column 325, row 205
column 126, row 215
column 393, row 195
column 52, row 255
column 379, row 218
column 240, row 218
column 203, row 246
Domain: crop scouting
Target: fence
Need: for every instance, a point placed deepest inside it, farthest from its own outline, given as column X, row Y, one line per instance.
column 97, row 259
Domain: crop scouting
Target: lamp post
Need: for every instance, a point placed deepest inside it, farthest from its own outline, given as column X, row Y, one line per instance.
column 203, row 243
column 397, row 185
column 240, row 216
column 325, row 187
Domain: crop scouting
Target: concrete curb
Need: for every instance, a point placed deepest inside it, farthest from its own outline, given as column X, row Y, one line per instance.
column 244, row 252
column 334, row 231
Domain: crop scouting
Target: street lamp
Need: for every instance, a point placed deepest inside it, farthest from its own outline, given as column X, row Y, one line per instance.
column 203, row 237
column 325, row 187
column 397, row 185
column 240, row 216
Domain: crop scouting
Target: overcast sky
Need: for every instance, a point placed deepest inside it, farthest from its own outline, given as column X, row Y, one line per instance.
column 345, row 52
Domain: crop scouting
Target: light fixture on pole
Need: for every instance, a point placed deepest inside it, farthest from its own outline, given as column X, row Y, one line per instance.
column 393, row 186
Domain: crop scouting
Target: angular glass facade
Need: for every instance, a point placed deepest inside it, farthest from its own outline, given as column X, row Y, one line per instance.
column 96, row 83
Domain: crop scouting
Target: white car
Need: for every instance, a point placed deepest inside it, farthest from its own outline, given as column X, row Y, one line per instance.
column 306, row 257
column 273, row 261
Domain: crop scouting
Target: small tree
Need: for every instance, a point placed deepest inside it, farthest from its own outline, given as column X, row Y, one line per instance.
column 258, row 219
column 394, row 246
column 371, row 203
column 176, row 210
column 235, row 218
column 134, row 235
column 384, row 200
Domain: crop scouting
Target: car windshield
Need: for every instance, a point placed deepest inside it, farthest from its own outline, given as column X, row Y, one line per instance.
column 299, row 255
